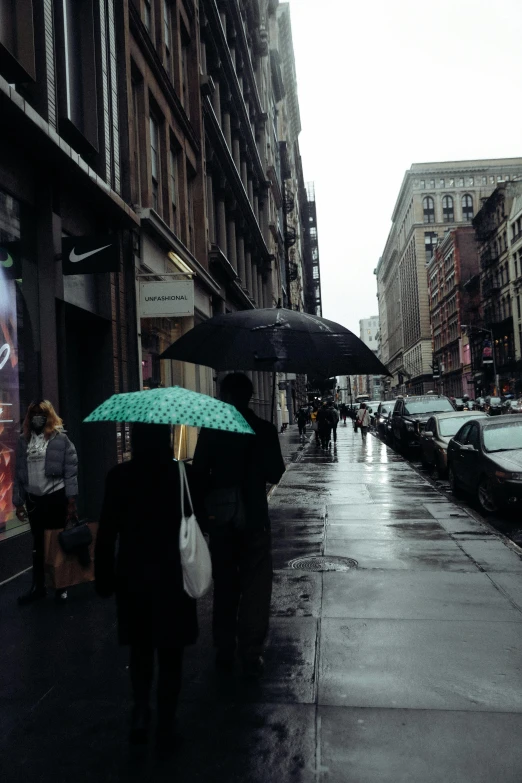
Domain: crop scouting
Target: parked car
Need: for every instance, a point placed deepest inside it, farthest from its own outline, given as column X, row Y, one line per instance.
column 410, row 415
column 512, row 406
column 485, row 459
column 480, row 403
column 493, row 406
column 458, row 403
column 437, row 434
column 383, row 419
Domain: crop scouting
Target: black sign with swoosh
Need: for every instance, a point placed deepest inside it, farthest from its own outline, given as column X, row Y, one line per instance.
column 90, row 254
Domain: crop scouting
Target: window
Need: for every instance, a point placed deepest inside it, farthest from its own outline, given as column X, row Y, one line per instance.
column 430, row 241
column 136, row 151
column 173, row 178
column 191, row 181
column 448, row 214
column 467, row 207
column 167, row 35
column 473, row 438
column 76, row 70
column 429, row 210
column 460, row 182
column 147, row 14
column 462, row 434
column 185, row 84
column 17, row 41
column 154, row 161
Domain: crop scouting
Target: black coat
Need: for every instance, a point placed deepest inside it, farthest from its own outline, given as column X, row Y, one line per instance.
column 227, row 459
column 141, row 510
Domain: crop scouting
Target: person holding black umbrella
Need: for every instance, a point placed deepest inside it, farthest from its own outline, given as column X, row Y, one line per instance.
column 232, row 472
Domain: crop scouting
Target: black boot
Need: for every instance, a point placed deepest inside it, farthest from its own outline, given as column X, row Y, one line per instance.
column 140, row 722
column 37, row 590
column 34, row 594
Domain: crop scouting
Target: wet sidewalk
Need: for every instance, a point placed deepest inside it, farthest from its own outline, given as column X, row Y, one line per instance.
column 403, row 669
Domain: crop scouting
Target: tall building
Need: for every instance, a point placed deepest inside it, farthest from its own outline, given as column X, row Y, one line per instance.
column 454, row 264
column 433, row 198
column 493, row 327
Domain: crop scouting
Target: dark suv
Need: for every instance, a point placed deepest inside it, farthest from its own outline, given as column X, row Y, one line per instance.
column 410, row 415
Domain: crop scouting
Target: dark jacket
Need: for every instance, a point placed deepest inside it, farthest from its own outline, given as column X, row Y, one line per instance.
column 61, row 461
column 227, row 459
column 142, row 510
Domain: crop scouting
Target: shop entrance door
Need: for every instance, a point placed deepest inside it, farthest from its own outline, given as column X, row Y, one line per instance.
column 86, row 379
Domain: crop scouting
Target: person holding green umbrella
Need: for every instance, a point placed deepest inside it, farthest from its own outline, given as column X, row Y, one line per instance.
column 142, row 513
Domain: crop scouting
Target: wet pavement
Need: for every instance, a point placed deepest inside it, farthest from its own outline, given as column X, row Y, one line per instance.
column 406, row 669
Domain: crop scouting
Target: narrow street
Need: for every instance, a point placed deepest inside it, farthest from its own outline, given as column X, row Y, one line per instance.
column 405, row 666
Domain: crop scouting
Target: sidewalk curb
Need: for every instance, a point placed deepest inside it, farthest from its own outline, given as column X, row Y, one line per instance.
column 515, row 548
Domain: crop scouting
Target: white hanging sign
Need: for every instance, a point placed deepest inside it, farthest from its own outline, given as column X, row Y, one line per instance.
column 162, row 300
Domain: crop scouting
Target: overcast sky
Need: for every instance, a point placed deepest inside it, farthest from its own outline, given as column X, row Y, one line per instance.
column 382, row 85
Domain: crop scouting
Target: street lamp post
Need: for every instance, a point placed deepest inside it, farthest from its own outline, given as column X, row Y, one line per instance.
column 490, row 332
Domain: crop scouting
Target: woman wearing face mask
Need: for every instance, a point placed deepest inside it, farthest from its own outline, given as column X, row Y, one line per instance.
column 45, row 485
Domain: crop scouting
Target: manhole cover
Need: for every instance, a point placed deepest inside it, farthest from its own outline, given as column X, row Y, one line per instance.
column 320, row 563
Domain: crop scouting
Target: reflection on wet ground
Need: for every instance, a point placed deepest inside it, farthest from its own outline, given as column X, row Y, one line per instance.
column 406, row 668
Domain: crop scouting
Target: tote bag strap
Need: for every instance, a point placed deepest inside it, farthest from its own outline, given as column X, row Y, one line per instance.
column 184, row 485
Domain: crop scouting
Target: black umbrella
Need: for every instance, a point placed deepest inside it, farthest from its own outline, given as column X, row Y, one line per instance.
column 278, row 340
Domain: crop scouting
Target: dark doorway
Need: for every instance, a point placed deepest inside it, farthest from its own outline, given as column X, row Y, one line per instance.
column 86, row 379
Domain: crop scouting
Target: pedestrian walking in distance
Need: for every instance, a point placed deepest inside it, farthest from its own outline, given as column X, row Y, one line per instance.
column 156, row 618
column 45, row 485
column 302, row 419
column 344, row 412
column 233, row 471
column 363, row 420
column 334, row 419
column 325, row 421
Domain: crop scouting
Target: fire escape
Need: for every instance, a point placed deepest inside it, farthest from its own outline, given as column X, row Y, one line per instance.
column 311, row 252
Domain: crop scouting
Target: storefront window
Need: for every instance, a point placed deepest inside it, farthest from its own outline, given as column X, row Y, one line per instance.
column 11, row 318
column 19, row 342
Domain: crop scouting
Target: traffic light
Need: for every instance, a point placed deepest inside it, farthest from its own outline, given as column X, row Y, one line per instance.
column 436, row 368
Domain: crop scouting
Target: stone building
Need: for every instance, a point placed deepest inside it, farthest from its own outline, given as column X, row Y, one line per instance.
column 433, row 198
column 498, row 238
column 453, row 264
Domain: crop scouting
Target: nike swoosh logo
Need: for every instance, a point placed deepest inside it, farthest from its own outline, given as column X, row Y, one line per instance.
column 74, row 258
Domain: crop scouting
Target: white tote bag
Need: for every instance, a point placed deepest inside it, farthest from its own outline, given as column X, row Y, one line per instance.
column 195, row 557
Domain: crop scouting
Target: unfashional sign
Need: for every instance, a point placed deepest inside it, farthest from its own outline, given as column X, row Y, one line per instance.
column 163, row 300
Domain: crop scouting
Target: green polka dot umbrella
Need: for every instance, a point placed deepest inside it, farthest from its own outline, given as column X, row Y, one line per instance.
column 173, row 405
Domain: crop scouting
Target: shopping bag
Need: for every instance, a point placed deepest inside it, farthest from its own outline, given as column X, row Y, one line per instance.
column 194, row 553
column 63, row 569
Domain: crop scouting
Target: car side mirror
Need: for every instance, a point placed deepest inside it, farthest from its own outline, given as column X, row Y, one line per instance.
column 428, row 434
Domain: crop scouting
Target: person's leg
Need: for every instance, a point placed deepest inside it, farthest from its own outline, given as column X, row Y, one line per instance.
column 36, row 523
column 225, row 572
column 170, row 664
column 141, row 669
column 334, row 433
column 256, row 594
column 56, row 517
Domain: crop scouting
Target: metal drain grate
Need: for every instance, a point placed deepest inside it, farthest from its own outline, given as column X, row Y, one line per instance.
column 323, row 563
